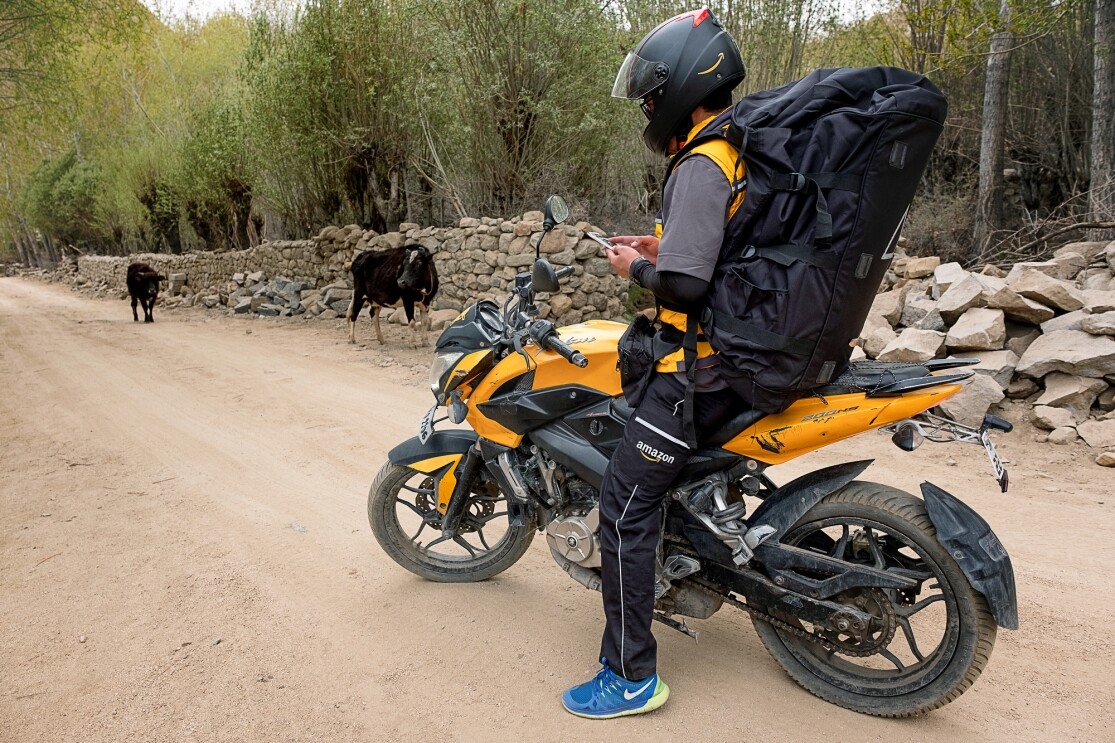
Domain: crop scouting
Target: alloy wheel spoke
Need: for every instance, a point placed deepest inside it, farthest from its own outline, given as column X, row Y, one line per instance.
column 908, row 611
column 908, row 632
column 892, row 658
column 842, row 544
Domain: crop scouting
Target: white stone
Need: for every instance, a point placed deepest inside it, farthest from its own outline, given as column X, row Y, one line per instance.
column 1067, row 321
column 1036, row 285
column 1101, row 324
column 876, row 334
column 947, row 274
column 1096, row 302
column 1098, row 434
column 1065, row 435
column 1106, row 459
column 971, row 404
column 978, row 329
column 1048, row 419
column 1069, row 351
column 913, row 345
column 999, row 365
column 1071, row 392
column 890, row 304
column 959, row 298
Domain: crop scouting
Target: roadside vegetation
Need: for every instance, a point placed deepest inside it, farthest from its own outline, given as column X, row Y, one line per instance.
column 122, row 133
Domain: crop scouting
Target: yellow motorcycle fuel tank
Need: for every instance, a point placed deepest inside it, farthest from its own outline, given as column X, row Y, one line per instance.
column 596, row 339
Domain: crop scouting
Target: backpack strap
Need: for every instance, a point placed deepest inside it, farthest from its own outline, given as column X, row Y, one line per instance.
column 689, row 345
column 765, row 338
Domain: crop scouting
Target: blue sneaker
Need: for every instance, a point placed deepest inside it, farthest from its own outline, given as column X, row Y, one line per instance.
column 608, row 695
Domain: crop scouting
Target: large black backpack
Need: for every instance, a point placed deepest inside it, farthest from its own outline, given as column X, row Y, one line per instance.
column 833, row 161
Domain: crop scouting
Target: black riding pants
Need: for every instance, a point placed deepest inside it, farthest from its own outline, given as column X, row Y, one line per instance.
column 652, row 452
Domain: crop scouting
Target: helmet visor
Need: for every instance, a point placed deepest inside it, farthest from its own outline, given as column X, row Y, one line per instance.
column 638, row 77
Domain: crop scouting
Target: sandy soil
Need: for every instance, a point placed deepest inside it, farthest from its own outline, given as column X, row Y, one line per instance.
column 185, row 556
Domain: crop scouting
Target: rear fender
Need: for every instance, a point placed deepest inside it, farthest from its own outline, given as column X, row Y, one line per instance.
column 977, row 551
column 440, row 457
column 790, row 502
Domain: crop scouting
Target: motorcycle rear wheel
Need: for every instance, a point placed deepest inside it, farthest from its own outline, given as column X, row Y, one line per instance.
column 890, row 529
column 403, row 514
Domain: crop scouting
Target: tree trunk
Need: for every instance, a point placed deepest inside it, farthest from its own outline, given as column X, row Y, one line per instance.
column 1101, row 197
column 989, row 208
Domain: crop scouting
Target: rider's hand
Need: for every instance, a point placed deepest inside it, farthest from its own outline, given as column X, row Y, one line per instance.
column 621, row 259
column 647, row 245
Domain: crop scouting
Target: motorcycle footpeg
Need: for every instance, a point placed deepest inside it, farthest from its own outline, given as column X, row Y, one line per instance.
column 679, row 566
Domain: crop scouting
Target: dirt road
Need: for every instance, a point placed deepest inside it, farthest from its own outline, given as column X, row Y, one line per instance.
column 185, row 556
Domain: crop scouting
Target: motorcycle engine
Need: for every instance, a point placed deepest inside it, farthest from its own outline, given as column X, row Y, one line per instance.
column 574, row 537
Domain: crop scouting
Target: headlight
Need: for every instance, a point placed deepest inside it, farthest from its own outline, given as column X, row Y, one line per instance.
column 443, row 364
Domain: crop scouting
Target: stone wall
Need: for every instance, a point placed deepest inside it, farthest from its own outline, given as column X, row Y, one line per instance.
column 477, row 258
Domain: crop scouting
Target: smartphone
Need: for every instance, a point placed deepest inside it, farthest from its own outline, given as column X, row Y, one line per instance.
column 601, row 239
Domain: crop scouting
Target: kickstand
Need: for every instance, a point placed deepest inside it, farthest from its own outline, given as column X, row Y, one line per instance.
column 679, row 626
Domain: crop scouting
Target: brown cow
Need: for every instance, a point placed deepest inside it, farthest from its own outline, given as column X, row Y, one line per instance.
column 143, row 285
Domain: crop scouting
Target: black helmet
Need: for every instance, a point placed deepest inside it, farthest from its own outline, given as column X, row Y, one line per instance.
column 680, row 63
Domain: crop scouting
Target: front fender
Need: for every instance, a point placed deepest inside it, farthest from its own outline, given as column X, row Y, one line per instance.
column 439, row 444
column 440, row 457
column 977, row 551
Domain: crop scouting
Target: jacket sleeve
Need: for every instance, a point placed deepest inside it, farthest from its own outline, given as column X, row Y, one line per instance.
column 675, row 290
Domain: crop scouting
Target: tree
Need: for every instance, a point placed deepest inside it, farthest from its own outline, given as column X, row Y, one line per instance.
column 995, row 100
column 1101, row 203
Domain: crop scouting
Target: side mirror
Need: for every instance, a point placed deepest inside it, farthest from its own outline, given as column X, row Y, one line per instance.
column 543, row 277
column 556, row 211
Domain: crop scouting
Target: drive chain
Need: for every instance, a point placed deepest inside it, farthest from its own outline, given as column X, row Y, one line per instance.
column 762, row 616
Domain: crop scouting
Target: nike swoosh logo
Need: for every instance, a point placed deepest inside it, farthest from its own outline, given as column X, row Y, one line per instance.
column 629, row 695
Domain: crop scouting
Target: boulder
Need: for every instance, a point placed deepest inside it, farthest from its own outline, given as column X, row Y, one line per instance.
column 916, row 308
column 1067, row 321
column 1021, row 387
column 1099, row 281
column 1069, row 264
column 997, row 295
column 1096, row 302
column 890, row 304
column 1064, row 435
column 1098, row 434
column 1019, row 337
column 1101, row 324
column 1049, row 268
column 932, row 321
column 913, row 345
column 1071, row 392
column 1036, row 285
column 876, row 334
column 971, row 404
column 1106, row 459
column 1089, row 250
column 999, row 365
column 1105, row 400
column 978, row 329
column 1069, row 351
column 960, row 297
column 945, row 275
column 1049, row 419
column 917, row 268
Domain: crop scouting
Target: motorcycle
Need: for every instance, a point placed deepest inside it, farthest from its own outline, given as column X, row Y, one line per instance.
column 869, row 597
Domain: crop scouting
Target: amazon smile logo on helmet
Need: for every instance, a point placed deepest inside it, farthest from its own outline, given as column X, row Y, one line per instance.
column 653, row 455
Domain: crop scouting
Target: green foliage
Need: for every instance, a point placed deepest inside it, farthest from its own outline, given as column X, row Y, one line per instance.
column 61, row 198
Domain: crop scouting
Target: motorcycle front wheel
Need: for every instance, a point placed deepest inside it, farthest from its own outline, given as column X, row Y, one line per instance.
column 402, row 509
column 924, row 646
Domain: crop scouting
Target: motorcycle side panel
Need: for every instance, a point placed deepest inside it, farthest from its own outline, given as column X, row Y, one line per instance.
column 815, row 422
column 521, row 412
column 790, row 502
column 976, row 549
column 569, row 448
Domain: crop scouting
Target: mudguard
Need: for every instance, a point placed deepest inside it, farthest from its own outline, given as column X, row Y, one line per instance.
column 440, row 457
column 977, row 551
column 790, row 502
column 440, row 443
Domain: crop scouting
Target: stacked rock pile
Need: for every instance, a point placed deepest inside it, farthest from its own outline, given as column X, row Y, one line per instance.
column 1044, row 332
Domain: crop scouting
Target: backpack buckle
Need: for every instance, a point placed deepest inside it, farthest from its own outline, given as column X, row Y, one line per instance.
column 796, row 181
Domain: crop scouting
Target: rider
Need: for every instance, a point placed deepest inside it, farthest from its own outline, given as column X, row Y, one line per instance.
column 684, row 72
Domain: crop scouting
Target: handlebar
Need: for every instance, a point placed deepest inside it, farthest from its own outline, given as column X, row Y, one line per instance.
column 561, row 273
column 545, row 335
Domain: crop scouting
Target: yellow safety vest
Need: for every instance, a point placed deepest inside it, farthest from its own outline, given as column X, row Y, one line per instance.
column 727, row 159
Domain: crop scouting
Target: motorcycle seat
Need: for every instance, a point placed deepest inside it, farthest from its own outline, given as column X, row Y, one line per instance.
column 877, row 376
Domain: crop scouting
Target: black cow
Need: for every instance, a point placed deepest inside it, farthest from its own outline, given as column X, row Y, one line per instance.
column 388, row 278
column 143, row 285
